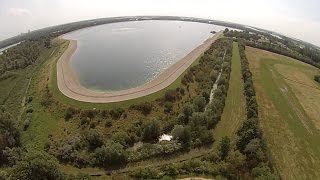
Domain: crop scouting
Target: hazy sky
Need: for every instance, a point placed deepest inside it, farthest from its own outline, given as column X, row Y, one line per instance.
column 296, row 18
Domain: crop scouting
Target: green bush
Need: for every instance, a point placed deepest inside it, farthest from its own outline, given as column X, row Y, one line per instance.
column 145, row 108
column 26, row 124
column 154, row 150
column 224, row 147
column 199, row 103
column 110, row 154
column 168, row 107
column 94, row 138
column 29, row 110
column 36, row 165
column 116, row 113
column 69, row 113
column 182, row 134
column 151, row 131
column 108, row 123
column 170, row 95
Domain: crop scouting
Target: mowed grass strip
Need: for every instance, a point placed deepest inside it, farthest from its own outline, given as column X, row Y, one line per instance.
column 291, row 136
column 234, row 110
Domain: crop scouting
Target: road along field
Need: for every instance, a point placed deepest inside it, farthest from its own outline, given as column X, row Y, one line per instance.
column 289, row 106
column 70, row 86
column 234, row 110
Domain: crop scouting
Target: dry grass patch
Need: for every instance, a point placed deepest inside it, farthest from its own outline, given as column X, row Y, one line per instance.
column 290, row 133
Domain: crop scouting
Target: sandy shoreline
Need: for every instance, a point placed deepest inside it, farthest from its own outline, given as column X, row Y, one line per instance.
column 69, row 85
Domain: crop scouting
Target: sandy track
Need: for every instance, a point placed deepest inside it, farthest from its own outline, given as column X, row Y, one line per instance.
column 69, row 85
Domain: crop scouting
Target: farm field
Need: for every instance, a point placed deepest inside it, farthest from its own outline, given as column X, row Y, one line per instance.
column 234, row 110
column 289, row 102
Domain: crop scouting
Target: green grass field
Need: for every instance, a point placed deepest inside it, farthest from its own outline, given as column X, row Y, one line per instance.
column 289, row 125
column 234, row 110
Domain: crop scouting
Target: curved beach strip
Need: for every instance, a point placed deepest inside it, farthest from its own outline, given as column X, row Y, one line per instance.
column 69, row 85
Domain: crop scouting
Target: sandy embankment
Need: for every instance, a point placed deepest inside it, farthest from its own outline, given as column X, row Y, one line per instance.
column 69, row 85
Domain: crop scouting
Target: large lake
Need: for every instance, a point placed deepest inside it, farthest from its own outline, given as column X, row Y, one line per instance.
column 124, row 55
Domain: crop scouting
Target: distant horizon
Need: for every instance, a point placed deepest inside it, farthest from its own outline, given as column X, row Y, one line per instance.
column 246, row 25
column 292, row 18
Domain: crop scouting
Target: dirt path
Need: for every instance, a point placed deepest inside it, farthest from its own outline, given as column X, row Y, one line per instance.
column 215, row 85
column 69, row 85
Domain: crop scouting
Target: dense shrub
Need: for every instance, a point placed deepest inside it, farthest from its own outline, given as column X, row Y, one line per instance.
column 224, row 147
column 145, row 108
column 87, row 113
column 182, row 134
column 29, row 110
column 168, row 107
column 116, row 113
column 170, row 95
column 123, row 138
column 70, row 111
column 26, row 123
column 94, row 138
column 36, row 165
column 152, row 150
column 110, row 154
column 262, row 172
column 151, row 131
column 199, row 103
column 108, row 123
column 9, row 134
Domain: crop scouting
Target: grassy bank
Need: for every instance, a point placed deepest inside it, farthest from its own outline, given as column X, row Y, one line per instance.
column 234, row 110
column 289, row 126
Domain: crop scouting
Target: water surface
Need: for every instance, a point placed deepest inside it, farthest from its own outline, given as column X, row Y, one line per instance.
column 123, row 55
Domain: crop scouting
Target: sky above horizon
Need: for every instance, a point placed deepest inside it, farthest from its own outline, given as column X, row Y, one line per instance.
column 295, row 18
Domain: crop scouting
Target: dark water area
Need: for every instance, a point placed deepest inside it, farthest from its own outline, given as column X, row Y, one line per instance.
column 124, row 55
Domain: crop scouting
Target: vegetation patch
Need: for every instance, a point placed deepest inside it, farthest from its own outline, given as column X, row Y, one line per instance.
column 317, row 78
column 289, row 130
column 234, row 110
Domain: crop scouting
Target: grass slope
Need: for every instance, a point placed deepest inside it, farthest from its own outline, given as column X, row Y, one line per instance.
column 234, row 110
column 44, row 120
column 291, row 135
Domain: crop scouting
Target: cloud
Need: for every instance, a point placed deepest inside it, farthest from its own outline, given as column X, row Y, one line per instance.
column 19, row 12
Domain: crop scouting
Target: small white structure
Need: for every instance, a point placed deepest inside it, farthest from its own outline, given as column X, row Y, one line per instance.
column 165, row 137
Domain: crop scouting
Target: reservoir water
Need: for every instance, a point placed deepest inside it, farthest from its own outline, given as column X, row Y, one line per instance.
column 124, row 55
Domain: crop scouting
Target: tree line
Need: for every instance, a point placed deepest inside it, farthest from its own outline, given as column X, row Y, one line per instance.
column 250, row 139
column 283, row 46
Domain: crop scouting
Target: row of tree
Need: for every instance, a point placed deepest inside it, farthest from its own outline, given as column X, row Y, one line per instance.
column 284, row 46
column 198, row 118
column 250, row 141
